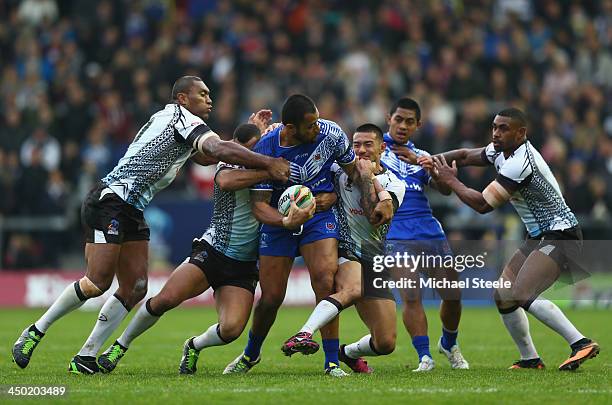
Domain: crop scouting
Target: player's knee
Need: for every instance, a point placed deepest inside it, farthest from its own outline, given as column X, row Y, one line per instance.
column 270, row 302
column 89, row 289
column 164, row 302
column 411, row 303
column 384, row 344
column 322, row 283
column 230, row 331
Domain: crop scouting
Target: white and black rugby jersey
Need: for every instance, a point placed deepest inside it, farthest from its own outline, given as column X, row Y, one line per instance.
column 153, row 159
column 354, row 225
column 233, row 228
column 535, row 193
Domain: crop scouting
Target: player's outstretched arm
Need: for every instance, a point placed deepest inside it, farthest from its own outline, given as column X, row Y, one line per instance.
column 236, row 154
column 237, row 179
column 203, row 160
column 265, row 213
column 493, row 196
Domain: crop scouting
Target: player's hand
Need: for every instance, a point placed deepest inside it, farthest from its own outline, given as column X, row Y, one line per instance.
column 382, row 214
column 278, row 170
column 297, row 216
column 325, row 201
column 404, row 154
column 427, row 163
column 442, row 171
column 261, row 119
column 364, row 167
column 272, row 127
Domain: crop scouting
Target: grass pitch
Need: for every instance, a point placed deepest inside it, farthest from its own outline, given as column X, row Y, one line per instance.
column 148, row 372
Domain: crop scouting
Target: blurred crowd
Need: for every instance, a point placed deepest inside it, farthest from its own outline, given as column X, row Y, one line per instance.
column 78, row 78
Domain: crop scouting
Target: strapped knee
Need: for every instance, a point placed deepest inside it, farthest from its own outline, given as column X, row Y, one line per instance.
column 87, row 288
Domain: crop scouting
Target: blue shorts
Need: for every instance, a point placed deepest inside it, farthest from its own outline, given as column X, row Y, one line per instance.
column 417, row 235
column 277, row 241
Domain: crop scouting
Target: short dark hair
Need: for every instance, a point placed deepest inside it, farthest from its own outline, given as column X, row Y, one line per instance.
column 245, row 132
column 295, row 107
column 515, row 114
column 408, row 104
column 371, row 128
column 183, row 84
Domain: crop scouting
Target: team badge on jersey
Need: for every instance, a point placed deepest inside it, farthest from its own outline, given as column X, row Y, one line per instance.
column 201, row 256
column 113, row 227
column 330, row 226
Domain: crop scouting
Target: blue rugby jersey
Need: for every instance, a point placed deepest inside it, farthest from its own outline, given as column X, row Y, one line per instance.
column 310, row 163
column 415, row 177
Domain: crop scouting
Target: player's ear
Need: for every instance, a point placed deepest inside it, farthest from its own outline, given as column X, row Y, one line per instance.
column 182, row 99
column 291, row 129
column 383, row 146
column 388, row 119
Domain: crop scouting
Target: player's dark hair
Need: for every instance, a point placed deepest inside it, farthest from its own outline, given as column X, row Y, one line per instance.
column 515, row 114
column 407, row 104
column 183, row 84
column 245, row 132
column 371, row 128
column 295, row 107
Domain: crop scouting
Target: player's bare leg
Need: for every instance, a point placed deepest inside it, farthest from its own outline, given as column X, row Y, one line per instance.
column 515, row 318
column 415, row 320
column 450, row 315
column 379, row 315
column 102, row 260
column 536, row 275
column 321, row 258
column 273, row 276
column 348, row 290
column 186, row 282
column 132, row 278
column 233, row 306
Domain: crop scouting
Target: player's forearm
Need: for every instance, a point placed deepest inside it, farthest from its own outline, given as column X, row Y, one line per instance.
column 469, row 196
column 458, row 155
column 233, row 153
column 369, row 196
column 266, row 214
column 238, row 179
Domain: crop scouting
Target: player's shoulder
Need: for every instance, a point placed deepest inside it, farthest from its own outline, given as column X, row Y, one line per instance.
column 268, row 141
column 330, row 128
column 387, row 176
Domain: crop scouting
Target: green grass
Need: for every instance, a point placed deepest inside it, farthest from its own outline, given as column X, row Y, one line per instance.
column 148, row 372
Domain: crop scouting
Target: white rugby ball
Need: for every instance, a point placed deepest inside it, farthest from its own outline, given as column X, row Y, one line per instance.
column 302, row 195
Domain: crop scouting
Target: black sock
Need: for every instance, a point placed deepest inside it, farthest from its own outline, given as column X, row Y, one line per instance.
column 579, row 343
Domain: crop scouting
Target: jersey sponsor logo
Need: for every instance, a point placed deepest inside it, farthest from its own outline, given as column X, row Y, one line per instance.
column 356, row 211
column 414, row 186
column 113, row 227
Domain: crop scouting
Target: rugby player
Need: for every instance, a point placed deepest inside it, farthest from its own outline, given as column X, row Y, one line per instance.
column 415, row 228
column 554, row 240
column 224, row 258
column 357, row 198
column 117, row 235
column 311, row 145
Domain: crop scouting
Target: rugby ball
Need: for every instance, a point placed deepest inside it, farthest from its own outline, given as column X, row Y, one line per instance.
column 302, row 195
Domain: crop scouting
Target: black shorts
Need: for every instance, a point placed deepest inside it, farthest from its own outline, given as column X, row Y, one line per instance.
column 221, row 270
column 564, row 247
column 368, row 289
column 107, row 218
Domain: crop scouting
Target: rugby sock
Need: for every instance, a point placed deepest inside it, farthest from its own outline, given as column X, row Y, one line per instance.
column 212, row 337
column 112, row 313
column 363, row 347
column 331, row 347
column 518, row 325
column 421, row 345
column 324, row 312
column 550, row 315
column 142, row 320
column 449, row 338
column 70, row 299
column 253, row 347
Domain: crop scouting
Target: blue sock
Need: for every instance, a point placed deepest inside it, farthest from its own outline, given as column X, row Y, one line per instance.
column 449, row 339
column 253, row 347
column 421, row 344
column 331, row 347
